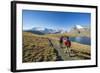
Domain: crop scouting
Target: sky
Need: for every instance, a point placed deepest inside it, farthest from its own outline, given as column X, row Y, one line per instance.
column 54, row 20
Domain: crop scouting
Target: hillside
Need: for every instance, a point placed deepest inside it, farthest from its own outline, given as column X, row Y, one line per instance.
column 39, row 48
column 80, row 31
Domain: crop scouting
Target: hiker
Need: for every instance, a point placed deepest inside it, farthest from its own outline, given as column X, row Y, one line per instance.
column 61, row 41
column 67, row 43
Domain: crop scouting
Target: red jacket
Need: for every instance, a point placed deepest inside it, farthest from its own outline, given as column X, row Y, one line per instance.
column 67, row 43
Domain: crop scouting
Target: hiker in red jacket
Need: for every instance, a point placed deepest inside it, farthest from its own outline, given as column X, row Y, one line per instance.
column 67, row 43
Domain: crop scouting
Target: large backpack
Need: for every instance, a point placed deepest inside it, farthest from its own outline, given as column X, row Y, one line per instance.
column 61, row 39
column 68, row 43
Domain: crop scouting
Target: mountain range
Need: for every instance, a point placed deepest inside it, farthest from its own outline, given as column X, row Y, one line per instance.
column 40, row 30
column 75, row 29
column 79, row 29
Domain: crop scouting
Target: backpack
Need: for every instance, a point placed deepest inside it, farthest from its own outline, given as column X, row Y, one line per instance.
column 61, row 39
column 67, row 43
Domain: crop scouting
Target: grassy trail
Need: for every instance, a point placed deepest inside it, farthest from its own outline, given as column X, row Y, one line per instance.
column 38, row 48
column 62, row 54
column 59, row 50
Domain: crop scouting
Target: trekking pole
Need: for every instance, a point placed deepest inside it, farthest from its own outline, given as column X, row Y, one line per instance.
column 50, row 42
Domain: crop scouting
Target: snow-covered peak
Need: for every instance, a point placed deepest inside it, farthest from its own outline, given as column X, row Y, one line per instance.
column 38, row 28
column 79, row 27
column 46, row 30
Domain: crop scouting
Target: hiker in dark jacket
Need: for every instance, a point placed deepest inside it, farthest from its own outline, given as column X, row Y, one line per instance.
column 67, row 43
column 61, row 41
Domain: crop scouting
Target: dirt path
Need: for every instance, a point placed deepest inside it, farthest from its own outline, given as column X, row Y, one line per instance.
column 61, row 53
column 74, row 55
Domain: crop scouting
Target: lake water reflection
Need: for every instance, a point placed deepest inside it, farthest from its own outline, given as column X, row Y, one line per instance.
column 82, row 40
